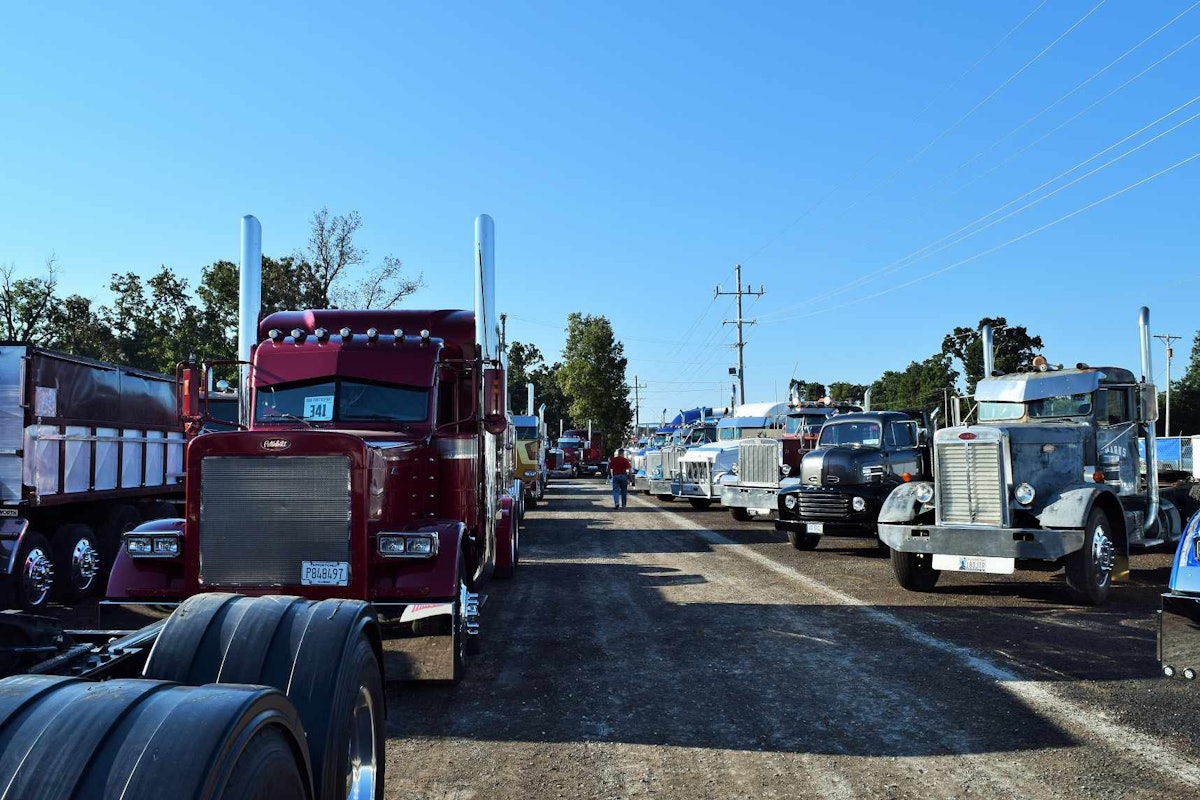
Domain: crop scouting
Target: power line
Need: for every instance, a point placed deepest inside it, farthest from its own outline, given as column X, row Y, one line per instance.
column 1013, row 240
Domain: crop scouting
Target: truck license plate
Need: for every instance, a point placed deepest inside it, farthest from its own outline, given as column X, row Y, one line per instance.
column 814, row 527
column 989, row 564
column 324, row 573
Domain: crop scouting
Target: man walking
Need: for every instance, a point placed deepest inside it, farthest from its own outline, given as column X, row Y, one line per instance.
column 619, row 468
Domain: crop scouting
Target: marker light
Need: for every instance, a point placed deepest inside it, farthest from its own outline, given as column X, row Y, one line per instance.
column 424, row 333
column 321, row 333
column 298, row 335
column 346, row 333
column 372, row 334
column 1098, row 476
column 398, row 333
column 906, row 477
column 274, row 334
column 1040, row 363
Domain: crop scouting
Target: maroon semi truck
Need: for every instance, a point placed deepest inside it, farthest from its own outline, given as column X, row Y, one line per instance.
column 584, row 452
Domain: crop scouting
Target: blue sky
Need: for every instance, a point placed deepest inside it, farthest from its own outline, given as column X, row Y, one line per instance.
column 631, row 154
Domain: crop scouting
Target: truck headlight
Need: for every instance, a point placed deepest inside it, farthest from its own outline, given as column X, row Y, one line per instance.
column 790, row 502
column 166, row 545
column 858, row 504
column 786, row 469
column 733, row 469
column 1024, row 494
column 152, row 545
column 924, row 492
column 529, row 473
column 407, row 545
column 139, row 545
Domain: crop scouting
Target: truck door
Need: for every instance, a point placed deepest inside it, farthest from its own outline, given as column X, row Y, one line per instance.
column 901, row 452
column 1116, row 438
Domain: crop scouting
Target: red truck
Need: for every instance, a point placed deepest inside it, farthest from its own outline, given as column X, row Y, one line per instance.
column 583, row 452
column 337, row 538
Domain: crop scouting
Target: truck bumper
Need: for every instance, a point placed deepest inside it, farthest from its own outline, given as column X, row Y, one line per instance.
column 756, row 499
column 1179, row 635
column 659, row 486
column 693, row 491
column 1030, row 543
column 418, row 644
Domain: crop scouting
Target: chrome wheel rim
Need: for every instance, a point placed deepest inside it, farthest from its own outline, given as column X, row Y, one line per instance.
column 360, row 764
column 85, row 564
column 1102, row 555
column 38, row 575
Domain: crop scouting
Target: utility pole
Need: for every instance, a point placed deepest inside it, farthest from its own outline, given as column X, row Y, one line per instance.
column 637, row 406
column 1168, row 339
column 741, row 343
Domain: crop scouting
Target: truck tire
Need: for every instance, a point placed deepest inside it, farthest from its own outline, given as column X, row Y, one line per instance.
column 666, row 498
column 914, row 571
column 122, row 518
column 324, row 655
column 32, row 577
column 78, row 564
column 739, row 514
column 132, row 739
column 1089, row 569
column 160, row 509
column 699, row 503
column 803, row 541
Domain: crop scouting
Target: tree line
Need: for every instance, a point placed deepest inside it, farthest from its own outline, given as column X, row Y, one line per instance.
column 154, row 323
column 586, row 383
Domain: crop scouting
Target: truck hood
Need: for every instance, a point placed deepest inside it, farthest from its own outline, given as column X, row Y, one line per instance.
column 1048, row 456
column 837, row 466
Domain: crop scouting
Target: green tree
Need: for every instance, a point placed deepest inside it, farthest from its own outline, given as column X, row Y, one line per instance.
column 25, row 303
column 841, row 391
column 218, row 293
column 805, row 390
column 331, row 255
column 1185, row 397
column 523, row 359
column 155, row 323
column 592, row 377
column 920, row 385
column 1014, row 348
column 76, row 327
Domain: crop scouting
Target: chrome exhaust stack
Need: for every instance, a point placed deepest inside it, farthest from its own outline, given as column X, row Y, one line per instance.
column 1151, row 442
column 249, row 307
column 989, row 351
column 529, row 398
column 487, row 334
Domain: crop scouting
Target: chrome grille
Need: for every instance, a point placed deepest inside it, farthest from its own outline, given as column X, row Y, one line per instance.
column 970, row 484
column 758, row 462
column 823, row 504
column 260, row 517
column 653, row 463
column 670, row 460
column 695, row 471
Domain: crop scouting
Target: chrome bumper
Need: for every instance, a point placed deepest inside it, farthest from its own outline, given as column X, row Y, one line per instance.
column 659, row 486
column 1179, row 635
column 1031, row 543
column 754, row 498
column 692, row 489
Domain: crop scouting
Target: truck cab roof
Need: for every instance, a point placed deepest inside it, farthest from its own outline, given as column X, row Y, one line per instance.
column 1019, row 387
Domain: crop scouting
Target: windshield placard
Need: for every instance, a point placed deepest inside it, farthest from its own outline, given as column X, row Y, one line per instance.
column 319, row 408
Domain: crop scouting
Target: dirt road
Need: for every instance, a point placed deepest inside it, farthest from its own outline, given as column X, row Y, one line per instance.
column 661, row 651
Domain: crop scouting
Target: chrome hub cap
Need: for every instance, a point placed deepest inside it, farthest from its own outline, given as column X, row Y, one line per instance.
column 38, row 575
column 85, row 564
column 360, row 764
column 1102, row 554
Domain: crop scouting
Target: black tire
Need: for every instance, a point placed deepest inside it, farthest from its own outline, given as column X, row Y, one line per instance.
column 531, row 500
column 803, row 541
column 458, row 628
column 914, row 571
column 64, row 737
column 122, row 518
column 739, row 514
column 700, row 503
column 574, row 471
column 32, row 578
column 78, row 563
column 666, row 498
column 323, row 654
column 160, row 509
column 1089, row 569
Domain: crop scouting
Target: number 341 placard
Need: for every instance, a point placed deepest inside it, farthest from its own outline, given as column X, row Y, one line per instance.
column 319, row 408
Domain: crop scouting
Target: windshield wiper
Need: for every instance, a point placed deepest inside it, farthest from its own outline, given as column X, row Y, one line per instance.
column 284, row 415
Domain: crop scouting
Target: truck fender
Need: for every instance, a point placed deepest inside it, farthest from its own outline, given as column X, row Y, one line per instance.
column 1185, row 570
column 148, row 577
column 1069, row 508
column 506, row 538
column 12, row 532
column 902, row 505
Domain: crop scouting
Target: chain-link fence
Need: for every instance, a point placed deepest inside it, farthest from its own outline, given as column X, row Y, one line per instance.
column 1174, row 453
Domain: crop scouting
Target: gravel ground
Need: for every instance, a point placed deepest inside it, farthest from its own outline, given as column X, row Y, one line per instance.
column 661, row 651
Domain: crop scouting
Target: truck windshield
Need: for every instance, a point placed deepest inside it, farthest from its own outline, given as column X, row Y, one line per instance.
column 702, row 436
column 659, row 440
column 341, row 401
column 850, row 434
column 1063, row 405
column 565, row 443
column 730, row 434
column 794, row 424
column 525, row 432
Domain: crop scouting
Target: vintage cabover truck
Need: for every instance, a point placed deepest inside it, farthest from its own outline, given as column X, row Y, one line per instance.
column 1179, row 622
column 1049, row 476
column 88, row 450
column 841, row 484
column 701, row 470
column 750, row 488
column 370, row 469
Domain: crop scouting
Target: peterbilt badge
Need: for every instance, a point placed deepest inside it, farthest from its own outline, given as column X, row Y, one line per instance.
column 275, row 444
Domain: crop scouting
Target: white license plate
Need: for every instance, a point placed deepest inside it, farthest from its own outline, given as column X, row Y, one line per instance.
column 990, row 564
column 814, row 527
column 324, row 573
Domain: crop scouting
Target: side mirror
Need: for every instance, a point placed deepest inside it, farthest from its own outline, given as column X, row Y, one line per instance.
column 189, row 393
column 1149, row 402
column 222, row 386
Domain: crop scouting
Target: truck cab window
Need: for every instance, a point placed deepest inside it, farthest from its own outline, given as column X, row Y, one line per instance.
column 902, row 434
column 1115, row 406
